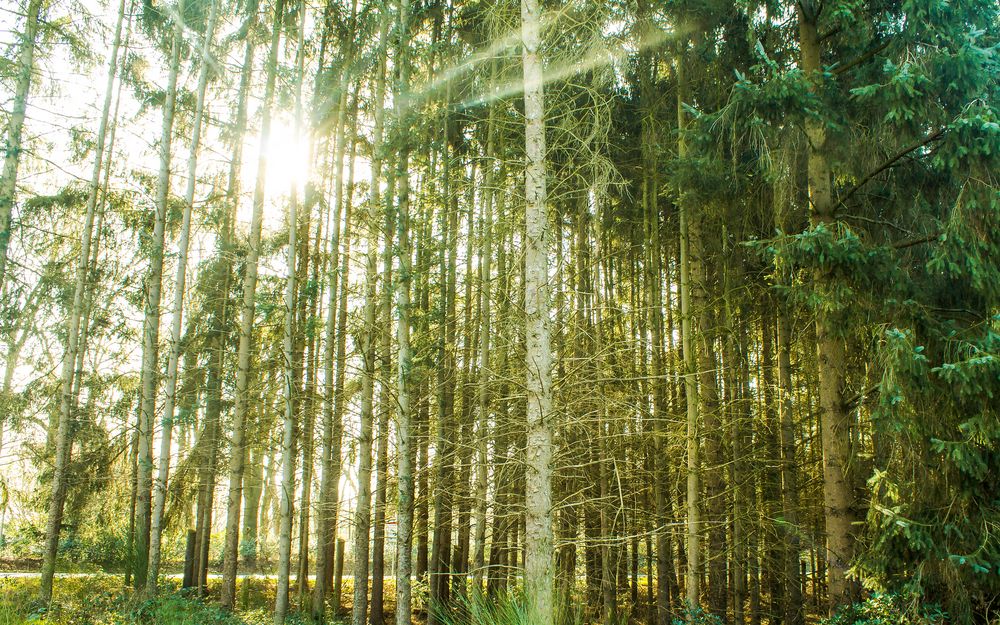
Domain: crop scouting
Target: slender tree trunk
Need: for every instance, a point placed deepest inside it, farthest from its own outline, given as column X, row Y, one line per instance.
column 693, row 583
column 291, row 392
column 217, row 333
column 538, row 580
column 248, row 309
column 404, row 434
column 444, row 448
column 332, row 427
column 253, row 488
column 794, row 614
column 340, row 375
column 170, row 384
column 733, row 356
column 483, row 391
column 362, row 513
column 385, row 401
column 460, row 552
column 293, row 367
column 63, row 438
column 496, row 576
column 133, row 483
column 15, row 128
column 830, row 347
column 151, row 324
column 24, row 325
column 771, row 488
column 650, row 198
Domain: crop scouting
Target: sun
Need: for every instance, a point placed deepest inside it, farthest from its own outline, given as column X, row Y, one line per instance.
column 287, row 160
column 287, row 153
column 288, row 169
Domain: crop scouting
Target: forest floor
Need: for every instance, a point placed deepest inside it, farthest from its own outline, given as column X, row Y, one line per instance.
column 103, row 599
column 86, row 598
column 83, row 598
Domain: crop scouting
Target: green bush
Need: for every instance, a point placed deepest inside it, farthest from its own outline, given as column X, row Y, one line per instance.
column 888, row 609
column 696, row 615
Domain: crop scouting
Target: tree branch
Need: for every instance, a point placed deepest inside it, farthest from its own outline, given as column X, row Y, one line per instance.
column 863, row 58
column 905, row 243
column 889, row 163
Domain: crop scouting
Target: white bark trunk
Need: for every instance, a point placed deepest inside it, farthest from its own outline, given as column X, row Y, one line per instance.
column 151, row 324
column 404, row 433
column 170, row 384
column 73, row 335
column 248, row 310
column 538, row 580
column 15, row 128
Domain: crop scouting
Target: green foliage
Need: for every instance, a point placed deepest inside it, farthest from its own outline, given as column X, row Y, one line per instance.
column 888, row 609
column 696, row 615
column 477, row 609
column 104, row 600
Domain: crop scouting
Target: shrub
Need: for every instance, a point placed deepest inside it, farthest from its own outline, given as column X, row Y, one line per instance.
column 888, row 609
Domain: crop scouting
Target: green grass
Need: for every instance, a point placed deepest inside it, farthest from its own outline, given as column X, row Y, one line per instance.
column 105, row 600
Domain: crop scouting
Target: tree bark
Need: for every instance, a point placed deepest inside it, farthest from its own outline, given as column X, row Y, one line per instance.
column 15, row 129
column 66, row 406
column 830, row 347
column 180, row 280
column 404, row 434
column 151, row 324
column 693, row 582
column 538, row 579
column 247, row 313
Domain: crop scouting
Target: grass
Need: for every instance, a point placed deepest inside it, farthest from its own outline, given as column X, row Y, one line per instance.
column 105, row 600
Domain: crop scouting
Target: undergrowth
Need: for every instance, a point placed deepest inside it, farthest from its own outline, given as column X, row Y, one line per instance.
column 104, row 600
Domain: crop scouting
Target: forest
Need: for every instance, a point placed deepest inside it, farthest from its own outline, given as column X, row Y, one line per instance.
column 500, row 312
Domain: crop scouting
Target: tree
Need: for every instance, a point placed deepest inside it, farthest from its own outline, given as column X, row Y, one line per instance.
column 15, row 129
column 170, row 384
column 247, row 312
column 538, row 578
column 73, row 335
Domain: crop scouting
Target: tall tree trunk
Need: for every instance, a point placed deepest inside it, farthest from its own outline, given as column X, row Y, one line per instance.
column 63, row 438
column 650, row 199
column 369, row 335
column 247, row 313
column 830, row 347
column 794, row 614
column 369, row 332
column 15, row 129
column 293, row 366
column 460, row 551
column 219, row 316
column 340, row 399
column 253, row 488
column 735, row 387
column 170, row 384
column 404, row 434
column 332, row 426
column 693, row 582
column 771, row 488
column 151, row 324
column 291, row 393
column 497, row 575
column 385, row 406
column 483, row 390
column 538, row 580
column 444, row 448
